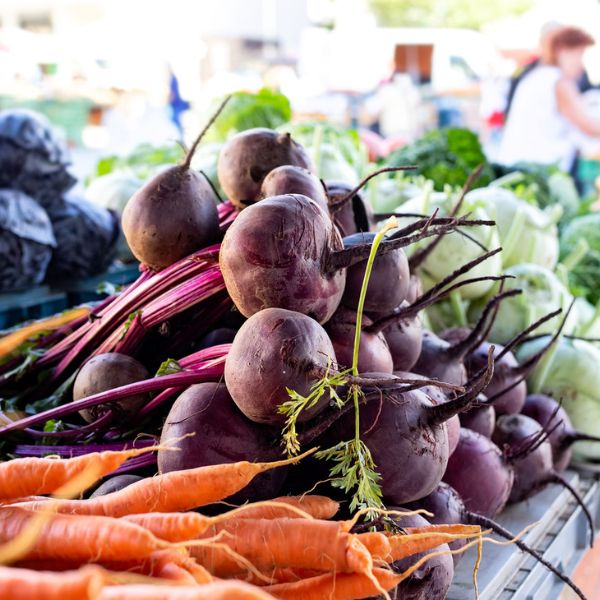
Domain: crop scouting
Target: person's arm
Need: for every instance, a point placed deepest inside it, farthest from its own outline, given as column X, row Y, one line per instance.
column 573, row 108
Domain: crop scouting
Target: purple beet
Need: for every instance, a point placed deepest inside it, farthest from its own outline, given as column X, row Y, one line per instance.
column 555, row 420
column 354, row 216
column 290, row 179
column 481, row 418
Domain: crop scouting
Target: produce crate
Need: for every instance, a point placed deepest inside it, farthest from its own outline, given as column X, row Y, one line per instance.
column 45, row 301
column 561, row 536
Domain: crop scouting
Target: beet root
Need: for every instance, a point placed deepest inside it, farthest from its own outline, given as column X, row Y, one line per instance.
column 478, row 471
column 222, row 435
column 389, row 281
column 481, row 419
column 249, row 156
column 274, row 255
column 275, row 350
column 289, row 179
column 105, row 372
column 114, row 484
column 352, row 217
column 373, row 352
column 171, row 216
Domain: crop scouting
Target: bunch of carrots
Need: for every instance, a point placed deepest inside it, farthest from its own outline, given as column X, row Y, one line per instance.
column 148, row 541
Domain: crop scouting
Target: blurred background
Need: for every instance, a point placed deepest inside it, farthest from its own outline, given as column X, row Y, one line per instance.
column 112, row 74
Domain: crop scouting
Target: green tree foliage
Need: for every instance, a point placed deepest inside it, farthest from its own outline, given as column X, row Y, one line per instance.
column 452, row 13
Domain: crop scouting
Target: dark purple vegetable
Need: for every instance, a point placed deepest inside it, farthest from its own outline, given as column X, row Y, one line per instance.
column 389, row 281
column 249, row 156
column 405, row 338
column 26, row 241
column 481, row 418
column 223, row 335
column 114, row 484
column 555, row 420
column 276, row 350
column 407, row 435
column 373, row 353
column 86, row 238
column 290, row 179
column 478, row 471
column 433, row 578
column 447, row 507
column 524, row 442
column 222, row 435
column 33, row 158
column 106, row 372
column 173, row 214
column 354, row 216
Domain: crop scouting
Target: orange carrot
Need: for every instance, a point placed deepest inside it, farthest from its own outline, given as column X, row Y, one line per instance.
column 332, row 586
column 172, row 492
column 295, row 543
column 377, row 543
column 319, row 507
column 219, row 590
column 172, row 527
column 24, row 584
column 32, row 476
column 74, row 537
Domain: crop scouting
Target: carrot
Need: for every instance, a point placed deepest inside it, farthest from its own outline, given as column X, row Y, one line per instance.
column 377, row 543
column 319, row 507
column 295, row 543
column 174, row 491
column 332, row 586
column 421, row 539
column 24, row 584
column 32, row 476
column 74, row 537
column 220, row 590
column 13, row 340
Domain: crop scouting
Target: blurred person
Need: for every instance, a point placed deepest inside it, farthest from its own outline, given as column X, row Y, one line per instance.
column 176, row 103
column 544, row 57
column 548, row 109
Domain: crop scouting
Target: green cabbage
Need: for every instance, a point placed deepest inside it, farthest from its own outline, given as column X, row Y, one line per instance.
column 455, row 249
column 527, row 233
column 542, row 293
column 570, row 374
column 584, row 277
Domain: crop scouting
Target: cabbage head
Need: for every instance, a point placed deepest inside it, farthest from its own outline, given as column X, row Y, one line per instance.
column 527, row 234
column 542, row 293
column 570, row 374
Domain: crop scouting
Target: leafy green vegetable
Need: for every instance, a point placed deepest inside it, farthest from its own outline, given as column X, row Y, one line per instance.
column 168, row 367
column 143, row 161
column 446, row 156
column 266, row 108
column 584, row 277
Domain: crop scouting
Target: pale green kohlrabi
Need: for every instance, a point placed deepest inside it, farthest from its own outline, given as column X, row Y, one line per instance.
column 386, row 194
column 570, row 373
column 527, row 234
column 458, row 247
column 542, row 293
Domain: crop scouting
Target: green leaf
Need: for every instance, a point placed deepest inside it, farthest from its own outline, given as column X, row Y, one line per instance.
column 130, row 319
column 109, row 288
column 168, row 367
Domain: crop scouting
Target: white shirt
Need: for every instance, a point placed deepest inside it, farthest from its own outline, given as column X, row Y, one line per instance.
column 536, row 131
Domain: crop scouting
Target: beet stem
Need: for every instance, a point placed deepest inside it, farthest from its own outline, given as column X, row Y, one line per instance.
column 190, row 154
column 560, row 480
column 335, row 206
column 421, row 255
column 477, row 519
column 578, row 436
column 440, row 413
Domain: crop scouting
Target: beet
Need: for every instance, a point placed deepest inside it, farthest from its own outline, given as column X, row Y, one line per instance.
column 222, row 335
column 478, row 471
column 555, row 420
column 276, row 350
column 389, row 281
column 289, row 179
column 249, row 156
column 373, row 352
column 275, row 255
column 105, row 372
column 524, row 442
column 405, row 340
column 481, row 419
column 447, row 507
column 172, row 215
column 353, row 217
column 114, row 484
column 222, row 435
